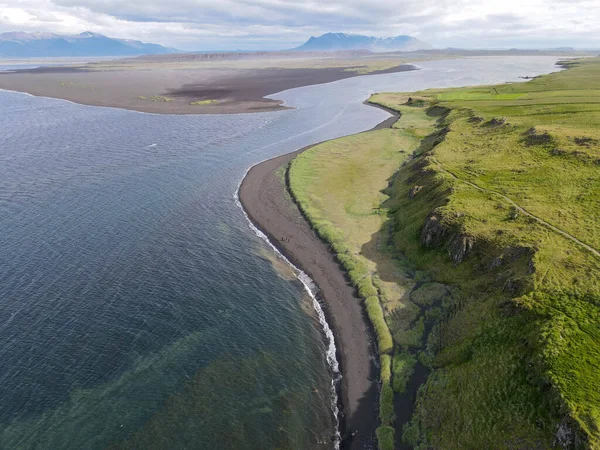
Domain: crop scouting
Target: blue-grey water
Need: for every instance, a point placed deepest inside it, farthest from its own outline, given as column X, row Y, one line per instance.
column 137, row 307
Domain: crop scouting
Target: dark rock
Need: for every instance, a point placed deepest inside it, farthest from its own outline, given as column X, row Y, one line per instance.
column 475, row 119
column 414, row 191
column 557, row 152
column 567, row 435
column 498, row 121
column 585, row 141
column 494, row 263
column 459, row 247
column 533, row 138
column 514, row 287
column 433, row 230
column 511, row 254
column 509, row 308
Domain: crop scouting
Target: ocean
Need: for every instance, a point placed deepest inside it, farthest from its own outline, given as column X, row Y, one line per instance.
column 138, row 307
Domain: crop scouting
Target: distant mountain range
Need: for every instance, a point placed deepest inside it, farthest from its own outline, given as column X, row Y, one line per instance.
column 26, row 45
column 344, row 41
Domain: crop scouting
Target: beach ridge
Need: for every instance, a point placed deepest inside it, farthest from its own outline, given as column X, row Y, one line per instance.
column 269, row 205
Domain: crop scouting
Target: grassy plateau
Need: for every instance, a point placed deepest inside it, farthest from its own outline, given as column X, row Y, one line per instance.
column 470, row 229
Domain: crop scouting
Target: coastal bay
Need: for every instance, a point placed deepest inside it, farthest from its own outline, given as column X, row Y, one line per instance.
column 127, row 359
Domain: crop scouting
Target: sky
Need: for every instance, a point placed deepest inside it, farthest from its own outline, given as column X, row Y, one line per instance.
column 282, row 24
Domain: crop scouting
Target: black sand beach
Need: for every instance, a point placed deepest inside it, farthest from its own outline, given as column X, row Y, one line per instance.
column 268, row 204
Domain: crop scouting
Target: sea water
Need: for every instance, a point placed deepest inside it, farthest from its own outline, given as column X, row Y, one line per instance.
column 138, row 308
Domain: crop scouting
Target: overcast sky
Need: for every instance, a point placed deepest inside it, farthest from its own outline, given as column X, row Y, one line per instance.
column 280, row 24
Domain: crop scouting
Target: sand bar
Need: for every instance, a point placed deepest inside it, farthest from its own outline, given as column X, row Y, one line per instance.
column 186, row 88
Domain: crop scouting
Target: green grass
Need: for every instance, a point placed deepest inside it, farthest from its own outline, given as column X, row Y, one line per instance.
column 519, row 352
column 375, row 313
column 386, row 438
column 385, row 372
column 386, row 404
column 515, row 357
column 204, row 102
column 403, row 366
column 341, row 187
column 155, row 98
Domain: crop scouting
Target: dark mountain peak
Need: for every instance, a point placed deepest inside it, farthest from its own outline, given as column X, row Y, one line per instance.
column 89, row 34
column 345, row 41
column 88, row 43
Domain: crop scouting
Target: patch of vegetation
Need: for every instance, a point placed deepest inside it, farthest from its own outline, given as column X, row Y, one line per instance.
column 72, row 84
column 404, row 364
column 385, row 372
column 365, row 69
column 507, row 214
column 375, row 313
column 204, row 102
column 386, row 404
column 428, row 294
column 155, row 98
column 386, row 438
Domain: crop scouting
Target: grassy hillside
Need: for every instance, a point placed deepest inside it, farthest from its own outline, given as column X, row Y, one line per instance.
column 507, row 211
column 483, row 253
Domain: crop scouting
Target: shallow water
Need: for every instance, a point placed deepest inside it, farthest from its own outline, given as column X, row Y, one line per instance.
column 137, row 308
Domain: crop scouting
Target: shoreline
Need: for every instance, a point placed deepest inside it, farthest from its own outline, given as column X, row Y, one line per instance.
column 270, row 208
column 176, row 91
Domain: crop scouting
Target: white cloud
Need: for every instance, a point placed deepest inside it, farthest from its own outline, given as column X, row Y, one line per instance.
column 235, row 24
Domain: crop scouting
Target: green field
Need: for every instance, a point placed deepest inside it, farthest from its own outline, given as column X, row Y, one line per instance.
column 340, row 186
column 471, row 231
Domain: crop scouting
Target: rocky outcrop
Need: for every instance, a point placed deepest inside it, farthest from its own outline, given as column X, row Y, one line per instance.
column 585, row 141
column 532, row 137
column 567, row 436
column 498, row 121
column 414, row 191
column 433, row 231
column 436, row 234
column 475, row 119
column 459, row 247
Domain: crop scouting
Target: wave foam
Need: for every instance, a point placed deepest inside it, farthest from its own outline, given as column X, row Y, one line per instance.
column 311, row 289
